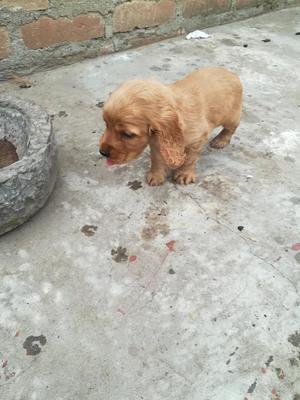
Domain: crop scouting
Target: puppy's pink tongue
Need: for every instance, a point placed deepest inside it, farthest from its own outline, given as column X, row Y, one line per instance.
column 109, row 162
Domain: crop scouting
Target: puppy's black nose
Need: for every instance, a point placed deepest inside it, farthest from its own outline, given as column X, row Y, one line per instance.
column 104, row 153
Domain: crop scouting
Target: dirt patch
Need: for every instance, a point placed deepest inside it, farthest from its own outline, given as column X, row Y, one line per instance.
column 294, row 339
column 156, row 224
column 135, row 185
column 89, row 230
column 220, row 187
column 8, row 153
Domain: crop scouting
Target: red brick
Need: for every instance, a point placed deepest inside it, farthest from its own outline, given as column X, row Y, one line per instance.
column 247, row 3
column 46, row 31
column 192, row 8
column 4, row 44
column 142, row 14
column 26, row 4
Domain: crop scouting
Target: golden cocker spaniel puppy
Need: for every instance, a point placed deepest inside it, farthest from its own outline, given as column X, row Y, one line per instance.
column 175, row 120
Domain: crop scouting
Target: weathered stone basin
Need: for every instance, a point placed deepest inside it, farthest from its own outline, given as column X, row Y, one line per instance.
column 27, row 161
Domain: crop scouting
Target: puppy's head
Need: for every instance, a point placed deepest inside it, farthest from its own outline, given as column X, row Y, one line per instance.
column 134, row 114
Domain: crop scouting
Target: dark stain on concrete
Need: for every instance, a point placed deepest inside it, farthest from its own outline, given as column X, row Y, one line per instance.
column 269, row 360
column 289, row 159
column 119, row 254
column 155, row 68
column 233, row 353
column 297, row 258
column 294, row 339
column 229, row 42
column 89, row 230
column 295, row 200
column 135, row 185
column 294, row 362
column 8, row 153
column 252, row 387
column 280, row 373
column 32, row 348
column 62, row 114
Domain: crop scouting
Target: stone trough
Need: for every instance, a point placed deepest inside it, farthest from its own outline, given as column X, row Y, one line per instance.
column 27, row 161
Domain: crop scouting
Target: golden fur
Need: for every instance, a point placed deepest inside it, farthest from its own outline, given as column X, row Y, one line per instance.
column 175, row 120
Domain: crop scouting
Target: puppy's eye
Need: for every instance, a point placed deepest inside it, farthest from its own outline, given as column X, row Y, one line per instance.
column 128, row 135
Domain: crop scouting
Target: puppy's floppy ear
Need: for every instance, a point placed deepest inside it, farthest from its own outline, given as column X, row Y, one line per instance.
column 168, row 130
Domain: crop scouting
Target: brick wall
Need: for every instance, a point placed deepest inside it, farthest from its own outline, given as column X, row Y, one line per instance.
column 37, row 34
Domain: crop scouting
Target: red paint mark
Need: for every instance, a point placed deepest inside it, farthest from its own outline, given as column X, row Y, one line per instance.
column 170, row 245
column 264, row 370
column 132, row 259
column 109, row 162
column 121, row 311
column 4, row 364
column 296, row 247
column 17, row 334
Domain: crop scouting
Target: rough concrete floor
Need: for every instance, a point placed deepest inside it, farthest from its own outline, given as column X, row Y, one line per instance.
column 218, row 318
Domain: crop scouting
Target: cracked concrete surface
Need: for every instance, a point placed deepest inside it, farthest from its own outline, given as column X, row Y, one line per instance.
column 121, row 291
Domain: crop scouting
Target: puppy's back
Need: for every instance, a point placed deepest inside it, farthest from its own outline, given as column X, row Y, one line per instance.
column 219, row 91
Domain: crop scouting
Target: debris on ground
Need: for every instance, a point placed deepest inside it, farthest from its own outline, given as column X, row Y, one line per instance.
column 135, row 185
column 89, row 230
column 198, row 35
column 22, row 81
column 62, row 114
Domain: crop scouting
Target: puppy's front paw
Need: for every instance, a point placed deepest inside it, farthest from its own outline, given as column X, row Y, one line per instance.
column 156, row 178
column 185, row 177
column 219, row 142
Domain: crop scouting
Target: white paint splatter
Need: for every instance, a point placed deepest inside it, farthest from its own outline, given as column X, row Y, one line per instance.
column 284, row 143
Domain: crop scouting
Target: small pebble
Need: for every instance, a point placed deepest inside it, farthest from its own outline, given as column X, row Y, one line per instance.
column 240, row 228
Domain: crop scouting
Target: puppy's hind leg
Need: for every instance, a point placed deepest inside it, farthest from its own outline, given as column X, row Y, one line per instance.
column 229, row 127
column 224, row 137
